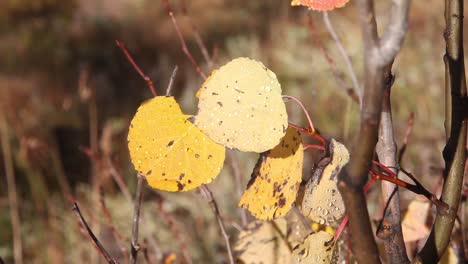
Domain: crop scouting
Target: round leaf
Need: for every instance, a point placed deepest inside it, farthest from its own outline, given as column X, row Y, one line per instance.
column 241, row 106
column 171, row 152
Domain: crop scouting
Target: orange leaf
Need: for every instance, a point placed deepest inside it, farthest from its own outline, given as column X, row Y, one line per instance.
column 320, row 5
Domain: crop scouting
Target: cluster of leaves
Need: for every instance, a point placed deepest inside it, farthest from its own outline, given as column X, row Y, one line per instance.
column 241, row 107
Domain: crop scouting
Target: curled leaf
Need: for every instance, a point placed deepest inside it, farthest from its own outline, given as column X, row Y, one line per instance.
column 322, row 201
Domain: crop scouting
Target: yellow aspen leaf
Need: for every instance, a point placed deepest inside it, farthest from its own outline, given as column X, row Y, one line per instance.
column 322, row 201
column 275, row 181
column 316, row 248
column 240, row 106
column 320, row 5
column 263, row 242
column 170, row 151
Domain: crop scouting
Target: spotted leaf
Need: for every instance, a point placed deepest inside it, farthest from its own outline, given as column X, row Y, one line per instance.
column 275, row 181
column 171, row 152
column 240, row 106
column 322, row 201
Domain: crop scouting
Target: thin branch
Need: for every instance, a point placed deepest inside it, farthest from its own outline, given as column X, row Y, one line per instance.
column 182, row 40
column 12, row 193
column 96, row 242
column 309, row 120
column 336, row 73
column 148, row 80
column 208, row 195
column 344, row 54
column 456, row 130
column 135, row 247
column 171, row 81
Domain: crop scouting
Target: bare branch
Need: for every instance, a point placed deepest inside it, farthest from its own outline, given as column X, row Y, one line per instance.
column 171, row 81
column 344, row 54
column 182, row 40
column 145, row 77
column 96, row 242
column 390, row 229
column 208, row 195
column 134, row 247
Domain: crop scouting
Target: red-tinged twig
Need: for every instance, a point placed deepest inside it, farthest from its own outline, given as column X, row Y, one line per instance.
column 331, row 63
column 134, row 246
column 148, row 80
column 409, row 131
column 90, row 233
column 175, row 230
column 12, row 193
column 309, row 132
column 309, row 120
column 182, row 40
column 312, row 146
column 232, row 222
column 208, row 195
column 171, row 81
column 344, row 54
column 117, row 236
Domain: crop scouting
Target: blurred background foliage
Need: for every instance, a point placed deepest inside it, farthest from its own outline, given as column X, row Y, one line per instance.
column 67, row 94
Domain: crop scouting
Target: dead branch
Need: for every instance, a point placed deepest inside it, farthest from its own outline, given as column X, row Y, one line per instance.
column 208, row 195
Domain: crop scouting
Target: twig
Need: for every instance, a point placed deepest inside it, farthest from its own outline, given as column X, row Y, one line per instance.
column 182, row 40
column 344, row 54
column 148, row 80
column 206, row 193
column 96, row 242
column 12, row 193
column 134, row 247
column 233, row 165
column 390, row 227
column 171, row 81
column 309, row 120
column 331, row 63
